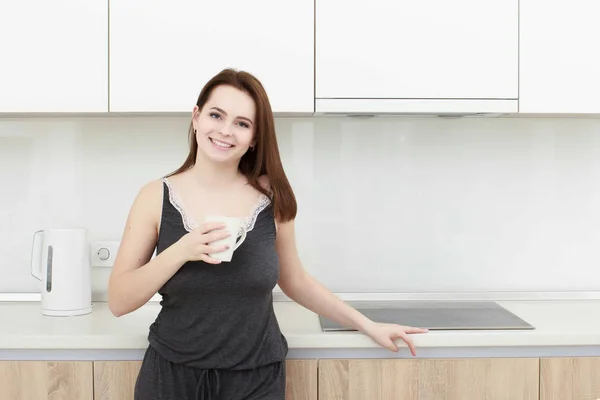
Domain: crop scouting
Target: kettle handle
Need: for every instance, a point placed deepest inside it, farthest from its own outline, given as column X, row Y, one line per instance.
column 36, row 255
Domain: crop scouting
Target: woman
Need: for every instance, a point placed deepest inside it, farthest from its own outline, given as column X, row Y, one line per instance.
column 216, row 335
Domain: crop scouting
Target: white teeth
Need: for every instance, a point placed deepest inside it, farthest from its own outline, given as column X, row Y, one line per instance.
column 221, row 144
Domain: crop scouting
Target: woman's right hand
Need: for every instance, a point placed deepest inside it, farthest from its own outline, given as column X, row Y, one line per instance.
column 195, row 244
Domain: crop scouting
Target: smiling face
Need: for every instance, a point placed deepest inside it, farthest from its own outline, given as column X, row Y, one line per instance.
column 225, row 125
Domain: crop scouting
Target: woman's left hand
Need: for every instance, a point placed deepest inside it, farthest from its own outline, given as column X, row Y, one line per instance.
column 385, row 334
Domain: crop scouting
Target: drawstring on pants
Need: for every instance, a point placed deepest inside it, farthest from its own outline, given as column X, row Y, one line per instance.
column 209, row 385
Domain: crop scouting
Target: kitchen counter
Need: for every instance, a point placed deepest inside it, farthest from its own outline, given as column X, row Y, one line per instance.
column 569, row 328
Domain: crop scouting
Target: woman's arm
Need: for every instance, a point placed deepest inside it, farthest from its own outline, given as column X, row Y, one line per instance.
column 301, row 287
column 135, row 278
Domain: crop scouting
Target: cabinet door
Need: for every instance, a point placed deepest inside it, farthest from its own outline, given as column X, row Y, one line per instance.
column 54, row 56
column 115, row 380
column 162, row 52
column 417, row 50
column 492, row 379
column 46, row 380
column 559, row 68
column 301, row 380
column 570, row 378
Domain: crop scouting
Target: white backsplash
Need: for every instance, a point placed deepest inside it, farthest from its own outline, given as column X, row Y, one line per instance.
column 385, row 204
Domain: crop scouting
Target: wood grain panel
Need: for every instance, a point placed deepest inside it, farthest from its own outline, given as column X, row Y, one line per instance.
column 457, row 379
column 301, row 380
column 570, row 378
column 46, row 380
column 115, row 380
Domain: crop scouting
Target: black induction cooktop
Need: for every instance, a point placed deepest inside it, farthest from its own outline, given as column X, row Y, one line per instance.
column 436, row 315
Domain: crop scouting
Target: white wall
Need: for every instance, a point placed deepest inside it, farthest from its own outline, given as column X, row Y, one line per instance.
column 385, row 204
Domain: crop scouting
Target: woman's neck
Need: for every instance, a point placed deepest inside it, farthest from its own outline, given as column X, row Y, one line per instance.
column 214, row 175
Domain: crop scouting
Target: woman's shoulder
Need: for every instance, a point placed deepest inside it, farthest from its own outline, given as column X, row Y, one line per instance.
column 151, row 192
column 159, row 187
column 152, row 187
column 147, row 204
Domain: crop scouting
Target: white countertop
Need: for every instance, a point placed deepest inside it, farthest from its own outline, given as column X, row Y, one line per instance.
column 558, row 323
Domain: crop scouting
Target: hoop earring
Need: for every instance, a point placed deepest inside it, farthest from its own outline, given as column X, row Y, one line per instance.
column 251, row 148
column 194, row 131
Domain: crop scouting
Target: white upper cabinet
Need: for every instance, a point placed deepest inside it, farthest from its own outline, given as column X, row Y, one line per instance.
column 417, row 56
column 162, row 52
column 560, row 56
column 54, row 56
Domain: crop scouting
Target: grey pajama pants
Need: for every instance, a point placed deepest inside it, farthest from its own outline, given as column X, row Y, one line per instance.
column 160, row 379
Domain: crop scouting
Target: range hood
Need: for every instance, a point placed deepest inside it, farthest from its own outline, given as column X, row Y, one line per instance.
column 433, row 107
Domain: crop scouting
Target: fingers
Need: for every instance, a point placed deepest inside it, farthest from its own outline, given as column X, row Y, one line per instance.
column 404, row 335
column 209, row 260
column 409, row 343
column 215, row 249
column 392, row 346
column 410, row 329
column 213, row 236
column 211, row 226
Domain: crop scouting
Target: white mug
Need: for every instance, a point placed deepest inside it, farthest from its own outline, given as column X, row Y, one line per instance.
column 236, row 230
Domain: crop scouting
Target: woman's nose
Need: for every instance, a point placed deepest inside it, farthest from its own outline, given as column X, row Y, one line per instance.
column 226, row 129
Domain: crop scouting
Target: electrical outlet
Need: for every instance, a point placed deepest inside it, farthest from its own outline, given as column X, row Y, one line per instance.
column 102, row 254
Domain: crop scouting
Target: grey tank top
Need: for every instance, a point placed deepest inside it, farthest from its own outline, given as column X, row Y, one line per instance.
column 220, row 316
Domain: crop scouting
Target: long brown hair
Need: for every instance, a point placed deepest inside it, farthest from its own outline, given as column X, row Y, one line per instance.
column 265, row 158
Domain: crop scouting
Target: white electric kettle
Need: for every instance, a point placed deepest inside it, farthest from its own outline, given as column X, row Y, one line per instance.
column 60, row 260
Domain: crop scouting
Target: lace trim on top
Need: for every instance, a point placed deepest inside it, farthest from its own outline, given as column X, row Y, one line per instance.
column 189, row 224
column 250, row 220
column 176, row 202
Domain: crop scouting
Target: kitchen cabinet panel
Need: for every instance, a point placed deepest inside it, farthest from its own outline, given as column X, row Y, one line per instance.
column 570, row 378
column 46, row 380
column 115, row 380
column 162, row 52
column 558, row 64
column 54, row 56
column 492, row 379
column 463, row 50
column 301, row 380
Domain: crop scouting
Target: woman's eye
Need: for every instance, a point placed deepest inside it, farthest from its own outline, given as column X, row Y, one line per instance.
column 244, row 125
column 215, row 115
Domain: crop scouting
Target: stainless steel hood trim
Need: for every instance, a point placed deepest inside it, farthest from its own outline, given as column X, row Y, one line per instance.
column 369, row 296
